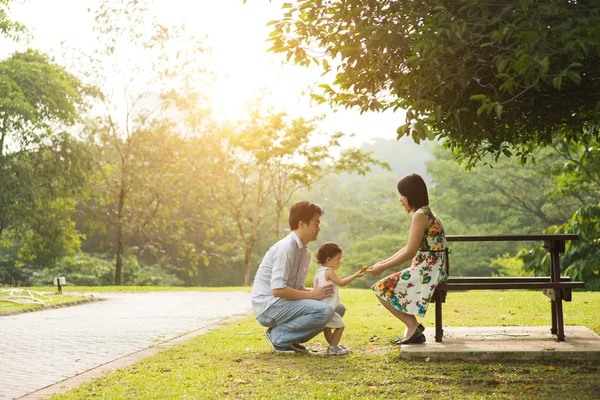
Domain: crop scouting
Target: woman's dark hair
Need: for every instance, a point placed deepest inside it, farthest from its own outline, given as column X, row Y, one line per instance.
column 327, row 250
column 413, row 187
column 303, row 211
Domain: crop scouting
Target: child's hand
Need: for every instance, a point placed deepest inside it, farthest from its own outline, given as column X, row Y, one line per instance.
column 362, row 270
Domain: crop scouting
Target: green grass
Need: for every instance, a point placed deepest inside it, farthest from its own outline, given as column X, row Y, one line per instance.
column 141, row 289
column 51, row 300
column 236, row 361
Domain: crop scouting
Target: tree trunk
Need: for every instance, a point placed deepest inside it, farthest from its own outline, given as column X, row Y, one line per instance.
column 2, row 142
column 119, row 265
column 278, row 218
column 120, row 247
column 247, row 263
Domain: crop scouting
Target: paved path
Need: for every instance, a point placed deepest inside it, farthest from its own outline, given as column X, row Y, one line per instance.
column 41, row 348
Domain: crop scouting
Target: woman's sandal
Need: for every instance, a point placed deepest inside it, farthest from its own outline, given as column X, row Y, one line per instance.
column 416, row 337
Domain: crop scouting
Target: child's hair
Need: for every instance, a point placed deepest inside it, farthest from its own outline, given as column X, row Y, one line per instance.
column 327, row 250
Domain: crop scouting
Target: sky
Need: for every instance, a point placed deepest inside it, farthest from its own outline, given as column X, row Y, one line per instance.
column 237, row 34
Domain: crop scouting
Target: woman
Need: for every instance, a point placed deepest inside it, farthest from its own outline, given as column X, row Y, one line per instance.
column 408, row 293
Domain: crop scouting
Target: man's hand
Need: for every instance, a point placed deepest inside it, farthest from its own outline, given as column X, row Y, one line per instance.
column 320, row 292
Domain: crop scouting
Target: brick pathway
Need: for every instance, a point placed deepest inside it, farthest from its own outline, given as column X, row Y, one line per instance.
column 41, row 348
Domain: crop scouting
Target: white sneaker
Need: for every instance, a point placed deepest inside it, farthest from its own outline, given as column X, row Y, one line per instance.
column 337, row 351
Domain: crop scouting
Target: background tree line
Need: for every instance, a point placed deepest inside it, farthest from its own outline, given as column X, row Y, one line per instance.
column 131, row 181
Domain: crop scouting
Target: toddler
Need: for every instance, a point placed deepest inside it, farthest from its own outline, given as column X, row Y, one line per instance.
column 329, row 258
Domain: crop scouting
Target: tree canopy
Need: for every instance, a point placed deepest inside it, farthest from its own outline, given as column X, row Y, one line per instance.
column 8, row 28
column 36, row 94
column 499, row 77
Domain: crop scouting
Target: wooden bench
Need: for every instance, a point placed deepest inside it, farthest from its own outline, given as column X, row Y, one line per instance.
column 557, row 288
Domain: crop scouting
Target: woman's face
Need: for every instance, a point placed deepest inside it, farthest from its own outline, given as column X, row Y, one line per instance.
column 405, row 204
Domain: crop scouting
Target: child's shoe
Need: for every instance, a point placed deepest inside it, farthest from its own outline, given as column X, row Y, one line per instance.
column 337, row 351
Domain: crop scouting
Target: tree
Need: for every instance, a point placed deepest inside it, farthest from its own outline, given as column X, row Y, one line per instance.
column 578, row 176
column 11, row 29
column 509, row 198
column 39, row 190
column 36, row 95
column 263, row 163
column 41, row 166
column 487, row 77
column 162, row 69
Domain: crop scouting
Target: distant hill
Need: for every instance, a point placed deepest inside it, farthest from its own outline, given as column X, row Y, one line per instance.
column 404, row 156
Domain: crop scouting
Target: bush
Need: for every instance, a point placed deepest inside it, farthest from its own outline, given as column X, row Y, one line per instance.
column 99, row 270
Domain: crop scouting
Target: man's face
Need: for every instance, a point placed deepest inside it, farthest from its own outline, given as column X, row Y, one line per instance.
column 313, row 228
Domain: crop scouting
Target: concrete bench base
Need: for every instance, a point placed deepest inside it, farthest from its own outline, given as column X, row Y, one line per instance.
column 506, row 343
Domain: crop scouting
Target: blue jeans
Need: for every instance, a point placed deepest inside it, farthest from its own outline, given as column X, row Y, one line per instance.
column 297, row 321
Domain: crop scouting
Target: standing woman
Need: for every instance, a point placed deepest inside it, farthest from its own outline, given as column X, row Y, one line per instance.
column 408, row 293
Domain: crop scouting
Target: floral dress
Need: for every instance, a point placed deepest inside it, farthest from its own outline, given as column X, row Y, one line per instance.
column 410, row 291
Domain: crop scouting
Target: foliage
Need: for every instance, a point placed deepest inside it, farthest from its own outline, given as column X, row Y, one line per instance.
column 510, row 266
column 487, row 77
column 97, row 269
column 264, row 162
column 514, row 197
column 8, row 28
column 41, row 166
column 137, row 139
column 508, row 198
column 579, row 173
column 36, row 93
column 235, row 361
column 577, row 177
column 39, row 191
column 580, row 260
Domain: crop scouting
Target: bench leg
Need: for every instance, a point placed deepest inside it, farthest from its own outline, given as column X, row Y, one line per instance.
column 558, row 326
column 554, row 329
column 438, row 319
column 560, row 321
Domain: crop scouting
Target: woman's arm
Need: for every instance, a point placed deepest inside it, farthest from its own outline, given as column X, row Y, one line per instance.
column 395, row 254
column 418, row 226
column 330, row 275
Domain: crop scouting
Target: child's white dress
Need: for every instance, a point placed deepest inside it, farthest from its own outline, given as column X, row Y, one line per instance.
column 333, row 300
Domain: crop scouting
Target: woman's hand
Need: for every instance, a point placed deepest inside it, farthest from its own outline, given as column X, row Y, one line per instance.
column 376, row 269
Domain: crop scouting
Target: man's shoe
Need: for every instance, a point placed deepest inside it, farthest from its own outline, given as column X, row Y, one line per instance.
column 268, row 336
column 298, row 348
column 284, row 349
column 279, row 349
column 337, row 351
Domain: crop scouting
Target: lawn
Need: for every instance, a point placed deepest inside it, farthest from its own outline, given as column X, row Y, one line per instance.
column 50, row 298
column 236, row 361
column 141, row 289
column 73, row 295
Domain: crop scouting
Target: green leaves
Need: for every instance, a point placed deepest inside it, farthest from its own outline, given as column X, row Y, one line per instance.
column 514, row 73
column 11, row 29
column 34, row 94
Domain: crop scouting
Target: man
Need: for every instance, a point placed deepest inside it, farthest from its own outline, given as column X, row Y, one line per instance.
column 292, row 313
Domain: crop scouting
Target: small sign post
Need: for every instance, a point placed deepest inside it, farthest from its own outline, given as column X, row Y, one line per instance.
column 59, row 281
